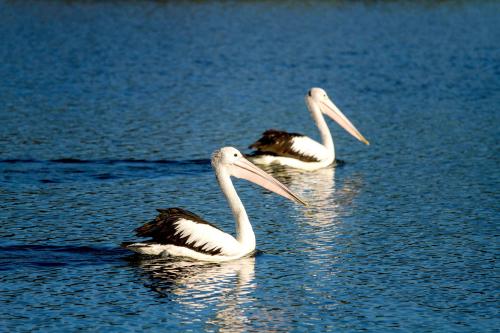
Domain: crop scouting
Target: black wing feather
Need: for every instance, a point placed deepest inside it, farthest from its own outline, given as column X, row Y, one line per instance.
column 163, row 229
column 279, row 143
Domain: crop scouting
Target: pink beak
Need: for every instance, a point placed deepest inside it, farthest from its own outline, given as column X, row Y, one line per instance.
column 333, row 112
column 246, row 170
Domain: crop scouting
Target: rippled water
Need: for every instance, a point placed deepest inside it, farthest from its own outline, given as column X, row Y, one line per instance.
column 109, row 110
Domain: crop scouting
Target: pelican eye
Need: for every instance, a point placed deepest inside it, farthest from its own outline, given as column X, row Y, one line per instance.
column 310, row 95
column 235, row 155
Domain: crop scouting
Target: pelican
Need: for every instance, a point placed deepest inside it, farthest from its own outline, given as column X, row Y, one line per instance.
column 299, row 151
column 179, row 233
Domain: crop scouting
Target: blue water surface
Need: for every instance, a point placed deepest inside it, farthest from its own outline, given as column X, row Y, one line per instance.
column 111, row 109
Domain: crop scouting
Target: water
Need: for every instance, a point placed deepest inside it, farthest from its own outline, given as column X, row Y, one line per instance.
column 109, row 110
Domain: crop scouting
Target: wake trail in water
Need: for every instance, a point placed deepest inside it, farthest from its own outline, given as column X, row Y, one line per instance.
column 104, row 161
column 20, row 256
column 70, row 169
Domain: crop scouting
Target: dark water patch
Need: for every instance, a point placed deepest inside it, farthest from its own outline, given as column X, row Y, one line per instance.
column 62, row 249
column 105, row 176
column 18, row 256
column 69, row 160
column 19, row 161
column 49, row 181
column 46, row 264
column 75, row 170
column 339, row 163
column 106, row 161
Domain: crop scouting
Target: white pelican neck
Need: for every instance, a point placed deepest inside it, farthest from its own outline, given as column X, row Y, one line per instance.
column 324, row 131
column 244, row 231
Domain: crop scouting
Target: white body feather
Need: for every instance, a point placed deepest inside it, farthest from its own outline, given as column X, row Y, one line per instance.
column 305, row 146
column 199, row 234
column 180, row 251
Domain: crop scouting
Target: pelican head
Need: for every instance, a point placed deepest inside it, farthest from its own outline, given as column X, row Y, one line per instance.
column 317, row 100
column 230, row 160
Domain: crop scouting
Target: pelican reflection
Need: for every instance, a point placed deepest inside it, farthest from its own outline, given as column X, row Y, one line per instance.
column 327, row 201
column 198, row 285
column 321, row 225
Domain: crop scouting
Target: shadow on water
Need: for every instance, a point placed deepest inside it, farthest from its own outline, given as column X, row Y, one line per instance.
column 222, row 287
column 69, row 169
column 21, row 256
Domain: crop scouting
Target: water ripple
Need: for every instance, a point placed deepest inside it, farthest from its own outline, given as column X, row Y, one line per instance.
column 71, row 170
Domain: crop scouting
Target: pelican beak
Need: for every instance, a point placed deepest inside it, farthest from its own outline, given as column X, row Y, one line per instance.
column 328, row 108
column 243, row 168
